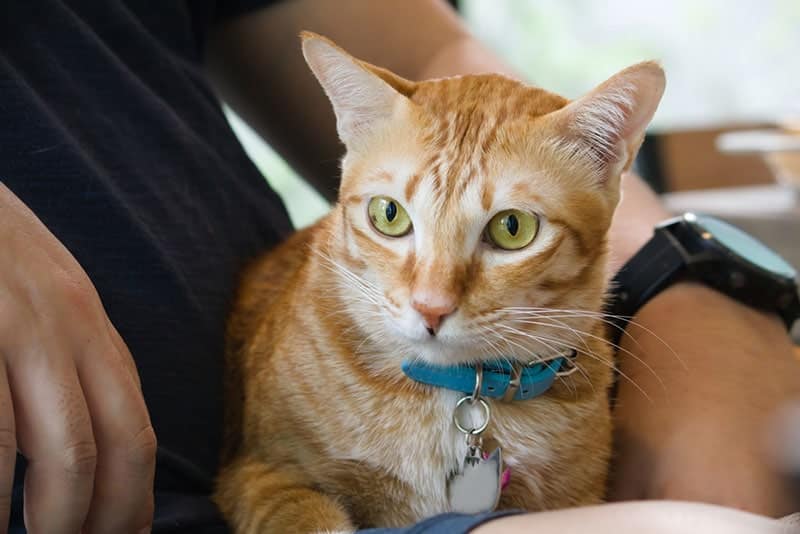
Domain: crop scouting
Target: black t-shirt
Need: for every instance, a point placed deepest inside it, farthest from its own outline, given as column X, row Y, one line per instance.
column 110, row 133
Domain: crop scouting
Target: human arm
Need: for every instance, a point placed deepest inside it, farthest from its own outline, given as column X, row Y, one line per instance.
column 256, row 64
column 719, row 372
column 663, row 517
column 70, row 399
column 258, row 69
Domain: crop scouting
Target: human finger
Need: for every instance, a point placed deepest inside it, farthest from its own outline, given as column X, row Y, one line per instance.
column 8, row 448
column 54, row 434
column 126, row 444
column 124, row 353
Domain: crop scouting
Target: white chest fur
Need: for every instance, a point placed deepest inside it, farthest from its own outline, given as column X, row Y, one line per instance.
column 420, row 445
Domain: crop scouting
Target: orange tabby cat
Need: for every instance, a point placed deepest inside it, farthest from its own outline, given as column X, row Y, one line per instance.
column 471, row 226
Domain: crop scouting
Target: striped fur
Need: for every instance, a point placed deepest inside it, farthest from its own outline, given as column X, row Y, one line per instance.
column 324, row 433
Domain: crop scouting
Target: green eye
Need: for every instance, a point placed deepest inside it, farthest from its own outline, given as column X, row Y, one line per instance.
column 388, row 216
column 512, row 229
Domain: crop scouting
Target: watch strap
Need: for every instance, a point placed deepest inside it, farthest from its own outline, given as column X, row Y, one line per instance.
column 655, row 266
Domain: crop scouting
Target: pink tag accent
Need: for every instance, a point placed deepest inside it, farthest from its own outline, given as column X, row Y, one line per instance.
column 505, row 478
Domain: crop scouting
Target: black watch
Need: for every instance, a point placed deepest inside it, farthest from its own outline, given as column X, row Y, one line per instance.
column 712, row 252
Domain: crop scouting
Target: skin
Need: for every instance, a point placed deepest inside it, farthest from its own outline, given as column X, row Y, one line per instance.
column 70, row 398
column 664, row 517
column 69, row 393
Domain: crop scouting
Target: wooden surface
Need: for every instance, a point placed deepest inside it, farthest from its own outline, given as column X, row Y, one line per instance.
column 690, row 160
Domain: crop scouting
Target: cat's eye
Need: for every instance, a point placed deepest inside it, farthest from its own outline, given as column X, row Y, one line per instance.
column 388, row 216
column 512, row 229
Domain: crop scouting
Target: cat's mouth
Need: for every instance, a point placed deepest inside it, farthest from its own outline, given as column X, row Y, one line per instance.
column 446, row 350
column 472, row 349
column 460, row 342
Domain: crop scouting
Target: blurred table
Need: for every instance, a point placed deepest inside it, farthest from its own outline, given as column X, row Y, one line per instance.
column 770, row 213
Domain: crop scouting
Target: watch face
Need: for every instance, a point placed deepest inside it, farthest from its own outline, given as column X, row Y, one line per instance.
column 742, row 244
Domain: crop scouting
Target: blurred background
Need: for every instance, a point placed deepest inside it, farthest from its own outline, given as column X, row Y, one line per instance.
column 726, row 138
column 730, row 66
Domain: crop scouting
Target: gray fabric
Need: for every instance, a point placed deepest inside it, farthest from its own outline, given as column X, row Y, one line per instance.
column 444, row 524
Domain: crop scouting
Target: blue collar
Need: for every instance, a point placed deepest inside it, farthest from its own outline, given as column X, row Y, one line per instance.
column 497, row 377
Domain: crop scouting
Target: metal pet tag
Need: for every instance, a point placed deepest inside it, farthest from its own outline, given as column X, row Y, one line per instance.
column 477, row 487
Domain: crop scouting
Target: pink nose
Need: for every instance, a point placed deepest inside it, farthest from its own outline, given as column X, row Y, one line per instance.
column 433, row 311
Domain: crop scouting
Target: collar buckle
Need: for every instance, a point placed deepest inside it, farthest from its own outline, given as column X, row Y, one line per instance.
column 513, row 382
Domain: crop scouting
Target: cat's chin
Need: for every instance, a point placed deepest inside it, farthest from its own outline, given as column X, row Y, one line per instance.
column 449, row 347
column 436, row 352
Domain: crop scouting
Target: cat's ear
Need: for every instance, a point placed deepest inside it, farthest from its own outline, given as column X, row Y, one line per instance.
column 606, row 127
column 364, row 97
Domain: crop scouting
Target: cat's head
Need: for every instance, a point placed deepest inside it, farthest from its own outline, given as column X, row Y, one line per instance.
column 468, row 203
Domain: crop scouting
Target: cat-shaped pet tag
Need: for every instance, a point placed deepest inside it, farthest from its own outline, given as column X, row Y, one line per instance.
column 477, row 487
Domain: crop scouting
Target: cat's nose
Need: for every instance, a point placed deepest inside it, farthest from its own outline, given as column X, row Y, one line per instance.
column 433, row 310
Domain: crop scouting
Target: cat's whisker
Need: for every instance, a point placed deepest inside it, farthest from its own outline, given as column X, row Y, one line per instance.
column 496, row 351
column 570, row 380
column 493, row 347
column 559, row 314
column 605, row 318
column 566, row 314
column 526, row 350
column 594, row 356
column 501, row 356
column 541, row 339
column 504, row 339
column 600, row 339
column 358, row 285
column 369, row 290
column 600, row 316
column 571, row 329
column 342, row 310
column 556, row 313
column 529, row 351
column 377, row 337
column 372, row 295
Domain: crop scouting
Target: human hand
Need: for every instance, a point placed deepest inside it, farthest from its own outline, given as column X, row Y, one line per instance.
column 70, row 397
column 704, row 433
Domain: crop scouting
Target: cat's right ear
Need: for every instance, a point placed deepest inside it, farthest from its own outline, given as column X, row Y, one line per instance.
column 607, row 126
column 364, row 97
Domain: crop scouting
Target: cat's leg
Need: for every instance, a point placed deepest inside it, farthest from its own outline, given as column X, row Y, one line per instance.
column 257, row 498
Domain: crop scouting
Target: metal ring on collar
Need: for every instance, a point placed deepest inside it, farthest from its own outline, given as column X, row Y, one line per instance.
column 476, row 391
column 487, row 412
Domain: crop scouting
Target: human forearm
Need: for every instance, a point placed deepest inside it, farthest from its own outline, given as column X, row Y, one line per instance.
column 716, row 373
column 638, row 212
column 256, row 64
column 636, row 517
column 703, row 432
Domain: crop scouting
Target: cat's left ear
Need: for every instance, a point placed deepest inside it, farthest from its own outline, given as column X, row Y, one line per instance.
column 364, row 97
column 606, row 127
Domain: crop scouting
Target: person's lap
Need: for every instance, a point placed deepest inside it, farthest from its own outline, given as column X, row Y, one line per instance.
column 444, row 524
